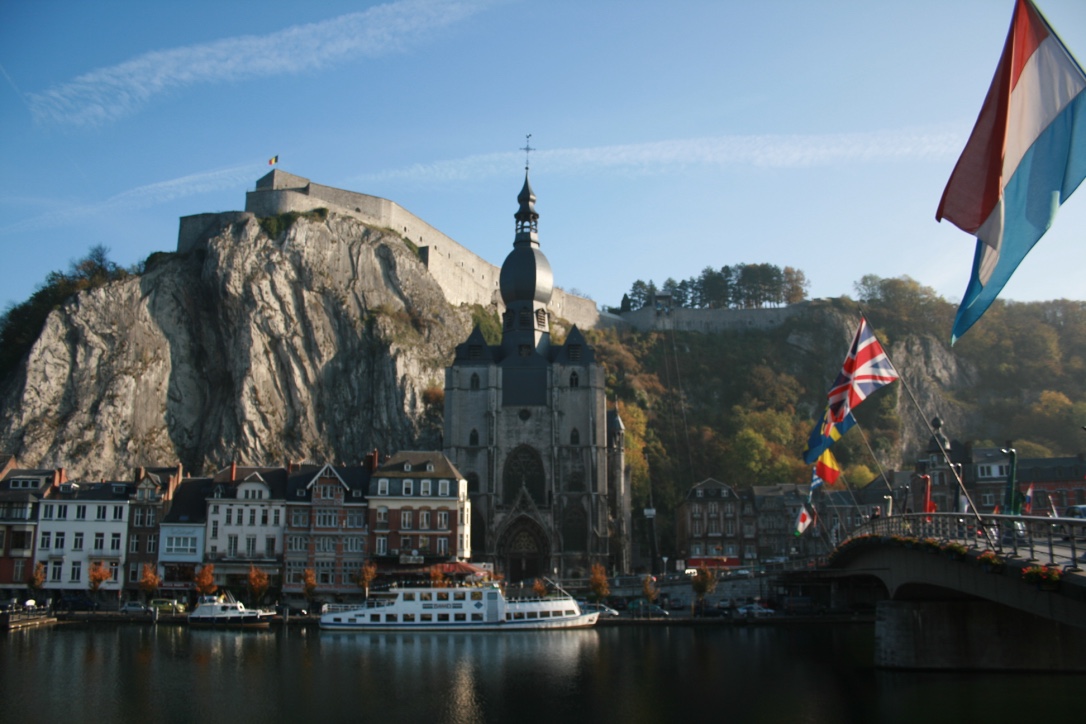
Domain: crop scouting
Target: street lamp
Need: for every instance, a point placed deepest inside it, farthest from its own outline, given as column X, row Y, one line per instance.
column 1010, row 497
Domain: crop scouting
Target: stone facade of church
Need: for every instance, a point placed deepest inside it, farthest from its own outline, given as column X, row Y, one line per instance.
column 527, row 424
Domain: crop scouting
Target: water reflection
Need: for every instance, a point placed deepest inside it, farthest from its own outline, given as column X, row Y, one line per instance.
column 129, row 673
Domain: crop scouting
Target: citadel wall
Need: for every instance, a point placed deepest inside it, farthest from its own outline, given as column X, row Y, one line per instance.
column 465, row 277
column 710, row 320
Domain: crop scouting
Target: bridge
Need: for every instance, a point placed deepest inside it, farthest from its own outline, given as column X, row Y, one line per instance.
column 969, row 592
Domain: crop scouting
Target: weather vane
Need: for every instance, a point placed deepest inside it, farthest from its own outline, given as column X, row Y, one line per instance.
column 527, row 149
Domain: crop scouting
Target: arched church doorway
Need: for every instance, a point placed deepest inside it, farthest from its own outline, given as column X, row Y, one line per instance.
column 524, row 551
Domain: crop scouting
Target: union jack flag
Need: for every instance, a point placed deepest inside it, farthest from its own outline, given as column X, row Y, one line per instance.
column 866, row 369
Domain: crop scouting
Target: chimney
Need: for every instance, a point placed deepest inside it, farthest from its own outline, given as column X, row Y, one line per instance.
column 140, row 472
column 233, row 470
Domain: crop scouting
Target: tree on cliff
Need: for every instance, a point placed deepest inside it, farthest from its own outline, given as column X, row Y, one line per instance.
column 21, row 324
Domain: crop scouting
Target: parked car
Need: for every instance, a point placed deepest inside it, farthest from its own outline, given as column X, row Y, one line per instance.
column 167, row 605
column 753, row 610
column 707, row 609
column 134, row 607
column 604, row 609
column 644, row 609
column 677, row 604
column 77, row 602
column 284, row 609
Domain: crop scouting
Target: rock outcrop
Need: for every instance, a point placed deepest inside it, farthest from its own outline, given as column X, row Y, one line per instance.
column 318, row 344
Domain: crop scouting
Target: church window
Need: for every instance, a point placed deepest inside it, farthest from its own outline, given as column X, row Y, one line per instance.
column 473, row 438
column 574, row 379
column 473, row 482
column 541, row 318
column 475, row 351
column 524, row 469
column 575, row 353
column 507, row 320
column 524, row 320
column 575, row 437
column 525, row 350
column 474, row 381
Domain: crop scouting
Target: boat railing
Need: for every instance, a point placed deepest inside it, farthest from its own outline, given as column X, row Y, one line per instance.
column 344, row 607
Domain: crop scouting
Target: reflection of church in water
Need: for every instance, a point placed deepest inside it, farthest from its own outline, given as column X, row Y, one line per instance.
column 526, row 423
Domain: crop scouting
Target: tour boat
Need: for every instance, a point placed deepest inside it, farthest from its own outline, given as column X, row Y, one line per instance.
column 456, row 608
column 223, row 611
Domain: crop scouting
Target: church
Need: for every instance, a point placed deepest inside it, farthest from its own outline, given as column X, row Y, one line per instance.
column 527, row 425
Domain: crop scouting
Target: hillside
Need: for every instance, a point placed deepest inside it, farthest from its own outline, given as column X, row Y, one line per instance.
column 319, row 337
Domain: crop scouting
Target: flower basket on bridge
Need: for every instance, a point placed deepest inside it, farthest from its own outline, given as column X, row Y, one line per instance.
column 1046, row 578
column 954, row 550
column 990, row 562
column 930, row 545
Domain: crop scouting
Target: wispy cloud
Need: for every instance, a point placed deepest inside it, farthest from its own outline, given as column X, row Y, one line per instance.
column 768, row 151
column 141, row 197
column 107, row 94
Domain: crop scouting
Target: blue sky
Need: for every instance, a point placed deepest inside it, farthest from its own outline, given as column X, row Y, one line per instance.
column 670, row 136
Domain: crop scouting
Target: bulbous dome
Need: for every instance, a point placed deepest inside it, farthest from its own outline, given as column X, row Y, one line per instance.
column 526, row 276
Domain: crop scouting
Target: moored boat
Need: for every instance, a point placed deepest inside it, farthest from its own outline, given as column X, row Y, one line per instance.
column 223, row 611
column 456, row 608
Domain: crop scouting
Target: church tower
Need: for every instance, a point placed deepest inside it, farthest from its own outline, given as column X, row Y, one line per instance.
column 526, row 423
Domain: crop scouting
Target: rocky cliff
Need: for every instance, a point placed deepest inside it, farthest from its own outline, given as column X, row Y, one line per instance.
column 316, row 344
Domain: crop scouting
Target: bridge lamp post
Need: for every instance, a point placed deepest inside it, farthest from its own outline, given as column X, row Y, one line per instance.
column 1010, row 496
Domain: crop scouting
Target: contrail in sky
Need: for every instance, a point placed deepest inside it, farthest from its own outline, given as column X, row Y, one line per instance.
column 107, row 94
column 766, row 151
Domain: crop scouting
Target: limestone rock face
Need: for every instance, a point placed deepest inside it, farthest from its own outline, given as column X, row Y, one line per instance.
column 315, row 345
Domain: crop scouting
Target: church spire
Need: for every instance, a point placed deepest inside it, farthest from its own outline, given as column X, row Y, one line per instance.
column 527, row 217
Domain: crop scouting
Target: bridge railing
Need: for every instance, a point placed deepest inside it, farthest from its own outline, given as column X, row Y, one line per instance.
column 1052, row 541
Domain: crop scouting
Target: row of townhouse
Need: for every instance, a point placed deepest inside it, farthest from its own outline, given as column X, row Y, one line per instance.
column 411, row 511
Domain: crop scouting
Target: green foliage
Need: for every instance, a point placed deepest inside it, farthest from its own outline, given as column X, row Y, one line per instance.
column 488, row 323
column 745, row 286
column 21, row 324
column 273, row 226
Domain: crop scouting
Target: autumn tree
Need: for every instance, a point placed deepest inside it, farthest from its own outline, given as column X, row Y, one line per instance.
column 37, row 577
column 366, row 574
column 437, row 578
column 99, row 574
column 149, row 580
column 205, row 580
column 258, row 584
column 309, row 584
column 703, row 583
column 539, row 587
column 648, row 587
column 597, row 582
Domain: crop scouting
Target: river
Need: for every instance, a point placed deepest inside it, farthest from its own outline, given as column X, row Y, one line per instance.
column 796, row 674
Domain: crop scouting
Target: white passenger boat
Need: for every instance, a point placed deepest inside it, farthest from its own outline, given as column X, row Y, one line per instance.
column 223, row 611
column 456, row 608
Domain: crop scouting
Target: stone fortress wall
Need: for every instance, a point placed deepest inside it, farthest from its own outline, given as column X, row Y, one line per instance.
column 465, row 277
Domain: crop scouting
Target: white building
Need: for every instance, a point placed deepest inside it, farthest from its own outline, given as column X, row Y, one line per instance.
column 85, row 526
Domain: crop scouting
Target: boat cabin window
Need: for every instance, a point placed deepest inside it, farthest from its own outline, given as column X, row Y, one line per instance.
column 426, row 596
column 476, row 595
column 532, row 614
column 409, row 596
column 443, row 595
column 409, row 618
column 443, row 617
column 460, row 617
column 458, row 596
column 390, row 618
column 476, row 617
column 375, row 618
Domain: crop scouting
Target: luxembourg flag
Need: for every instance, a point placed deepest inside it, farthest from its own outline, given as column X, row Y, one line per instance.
column 1025, row 157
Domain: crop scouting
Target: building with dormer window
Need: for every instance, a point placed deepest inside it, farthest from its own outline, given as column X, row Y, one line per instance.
column 21, row 493
column 327, row 528
column 420, row 511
